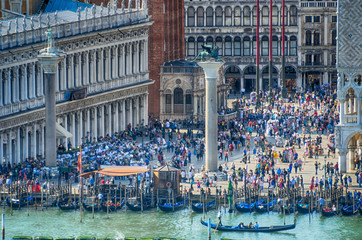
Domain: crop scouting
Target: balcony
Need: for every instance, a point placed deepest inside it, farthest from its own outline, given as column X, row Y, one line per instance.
column 318, row 4
column 351, row 119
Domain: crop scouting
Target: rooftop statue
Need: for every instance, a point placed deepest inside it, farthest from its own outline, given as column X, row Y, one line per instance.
column 208, row 53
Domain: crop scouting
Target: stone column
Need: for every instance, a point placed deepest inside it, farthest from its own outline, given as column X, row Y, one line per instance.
column 124, row 124
column 358, row 102
column 34, row 142
column 26, row 142
column 145, row 108
column 72, row 115
column 136, row 111
column 123, row 62
column 86, row 76
column 32, row 89
column 10, row 149
column 136, row 63
column 87, row 126
column 109, row 119
column 18, row 150
column 95, row 122
column 101, row 66
column 131, row 113
column 116, row 117
column 49, row 59
column 1, row 147
column 342, row 161
column 101, row 126
column 42, row 136
column 341, row 110
column 211, row 76
column 116, row 58
column 24, row 70
column 15, row 89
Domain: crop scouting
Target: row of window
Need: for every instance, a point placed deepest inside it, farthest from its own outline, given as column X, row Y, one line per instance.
column 315, row 59
column 317, row 19
column 246, row 47
column 315, row 36
column 238, row 16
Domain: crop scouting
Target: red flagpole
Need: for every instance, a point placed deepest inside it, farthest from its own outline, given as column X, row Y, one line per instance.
column 257, row 54
column 283, row 51
column 270, row 49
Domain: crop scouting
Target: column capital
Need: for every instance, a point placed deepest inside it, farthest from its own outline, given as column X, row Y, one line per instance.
column 342, row 151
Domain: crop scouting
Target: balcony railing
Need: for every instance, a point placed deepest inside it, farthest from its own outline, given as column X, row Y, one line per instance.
column 350, row 119
column 318, row 4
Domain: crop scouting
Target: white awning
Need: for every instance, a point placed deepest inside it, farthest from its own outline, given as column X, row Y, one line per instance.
column 62, row 132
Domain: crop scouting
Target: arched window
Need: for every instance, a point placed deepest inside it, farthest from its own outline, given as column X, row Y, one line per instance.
column 254, row 46
column 200, row 41
column 209, row 17
column 210, row 41
column 246, row 46
column 200, row 17
column 308, row 38
column 228, row 16
column 275, row 16
column 178, row 100
column 218, row 42
column 293, row 46
column 191, row 46
column 246, row 12
column 316, row 38
column 237, row 16
column 254, row 16
column 191, row 17
column 293, row 15
column 334, row 38
column 265, row 46
column 275, row 46
column 265, row 16
column 218, row 16
column 285, row 46
column 237, row 46
column 228, row 46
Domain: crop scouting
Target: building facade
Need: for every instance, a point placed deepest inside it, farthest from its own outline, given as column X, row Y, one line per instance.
column 102, row 83
column 166, row 41
column 231, row 25
column 317, row 22
column 349, row 65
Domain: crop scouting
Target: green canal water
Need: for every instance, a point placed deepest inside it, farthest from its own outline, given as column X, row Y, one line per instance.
column 182, row 224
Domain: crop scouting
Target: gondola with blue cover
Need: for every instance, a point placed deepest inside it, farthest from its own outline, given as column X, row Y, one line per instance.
column 304, row 208
column 351, row 210
column 91, row 206
column 199, row 207
column 263, row 208
column 167, row 207
column 19, row 203
column 246, row 207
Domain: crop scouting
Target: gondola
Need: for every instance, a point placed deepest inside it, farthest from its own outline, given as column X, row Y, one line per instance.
column 289, row 209
column 245, row 229
column 351, row 210
column 137, row 207
column 68, row 206
column 199, row 207
column 263, row 208
column 19, row 203
column 328, row 212
column 89, row 207
column 304, row 208
column 245, row 207
column 167, row 207
column 113, row 208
